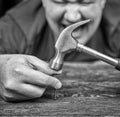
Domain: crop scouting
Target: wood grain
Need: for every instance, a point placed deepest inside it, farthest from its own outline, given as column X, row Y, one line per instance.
column 88, row 90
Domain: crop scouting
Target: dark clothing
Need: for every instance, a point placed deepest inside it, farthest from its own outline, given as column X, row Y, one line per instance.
column 24, row 30
column 7, row 4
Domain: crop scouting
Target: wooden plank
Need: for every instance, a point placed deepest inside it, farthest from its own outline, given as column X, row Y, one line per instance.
column 88, row 90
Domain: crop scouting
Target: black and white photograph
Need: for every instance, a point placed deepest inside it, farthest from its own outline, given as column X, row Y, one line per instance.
column 59, row 58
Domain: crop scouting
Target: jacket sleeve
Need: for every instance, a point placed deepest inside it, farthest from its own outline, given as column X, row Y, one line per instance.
column 12, row 38
column 20, row 25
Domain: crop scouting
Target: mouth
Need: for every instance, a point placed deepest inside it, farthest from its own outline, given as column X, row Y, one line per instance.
column 64, row 25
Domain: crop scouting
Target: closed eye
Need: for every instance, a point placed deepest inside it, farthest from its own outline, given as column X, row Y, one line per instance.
column 83, row 2
column 86, row 2
column 60, row 1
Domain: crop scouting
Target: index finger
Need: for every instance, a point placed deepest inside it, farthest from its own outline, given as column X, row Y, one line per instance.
column 38, row 78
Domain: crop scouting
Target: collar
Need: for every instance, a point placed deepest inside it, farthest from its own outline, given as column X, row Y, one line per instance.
column 29, row 15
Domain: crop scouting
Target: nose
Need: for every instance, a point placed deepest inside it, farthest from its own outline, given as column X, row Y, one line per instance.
column 72, row 14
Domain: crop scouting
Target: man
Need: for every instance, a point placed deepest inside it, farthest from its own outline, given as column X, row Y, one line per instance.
column 31, row 29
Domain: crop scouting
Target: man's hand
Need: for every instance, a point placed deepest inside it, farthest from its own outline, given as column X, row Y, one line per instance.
column 24, row 77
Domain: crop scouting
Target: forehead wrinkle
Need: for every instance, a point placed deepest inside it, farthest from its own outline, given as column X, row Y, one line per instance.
column 72, row 1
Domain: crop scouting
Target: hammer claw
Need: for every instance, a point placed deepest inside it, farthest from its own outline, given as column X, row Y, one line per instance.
column 72, row 27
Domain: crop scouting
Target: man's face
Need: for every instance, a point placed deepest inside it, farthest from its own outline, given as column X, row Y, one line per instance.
column 62, row 13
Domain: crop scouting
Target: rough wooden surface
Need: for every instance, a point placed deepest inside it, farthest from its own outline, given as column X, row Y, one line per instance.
column 88, row 90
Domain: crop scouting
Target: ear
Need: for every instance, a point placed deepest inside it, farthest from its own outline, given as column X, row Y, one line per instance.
column 102, row 3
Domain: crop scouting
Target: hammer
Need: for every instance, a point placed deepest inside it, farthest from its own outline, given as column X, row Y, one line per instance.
column 66, row 43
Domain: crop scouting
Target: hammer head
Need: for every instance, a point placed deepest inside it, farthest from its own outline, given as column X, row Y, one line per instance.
column 65, row 43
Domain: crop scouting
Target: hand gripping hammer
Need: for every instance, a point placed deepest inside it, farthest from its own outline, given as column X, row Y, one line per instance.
column 66, row 43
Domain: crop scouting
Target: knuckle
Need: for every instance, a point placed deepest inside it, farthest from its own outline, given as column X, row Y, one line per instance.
column 17, row 70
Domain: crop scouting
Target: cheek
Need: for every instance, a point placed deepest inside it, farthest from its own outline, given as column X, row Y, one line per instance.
column 93, row 12
column 54, row 12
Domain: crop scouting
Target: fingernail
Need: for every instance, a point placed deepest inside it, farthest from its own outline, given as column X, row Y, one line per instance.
column 58, row 85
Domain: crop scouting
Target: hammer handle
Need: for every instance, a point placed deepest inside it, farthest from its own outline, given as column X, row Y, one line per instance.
column 105, row 58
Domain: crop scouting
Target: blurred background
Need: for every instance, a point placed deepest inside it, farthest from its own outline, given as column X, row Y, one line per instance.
column 7, row 4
